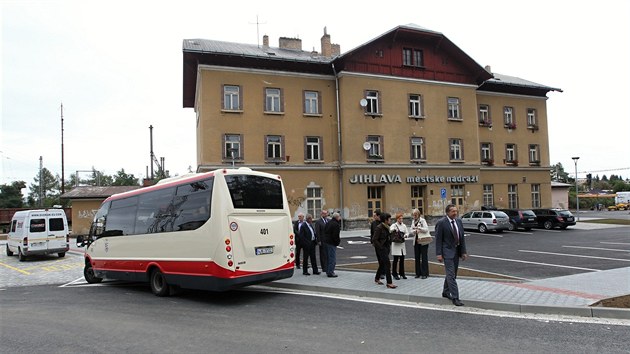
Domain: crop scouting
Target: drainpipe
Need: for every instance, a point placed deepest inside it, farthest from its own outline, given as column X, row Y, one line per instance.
column 339, row 146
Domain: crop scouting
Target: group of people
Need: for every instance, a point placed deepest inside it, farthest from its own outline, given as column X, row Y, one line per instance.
column 323, row 234
column 389, row 239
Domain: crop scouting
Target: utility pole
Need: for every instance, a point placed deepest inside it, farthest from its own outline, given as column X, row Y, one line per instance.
column 41, row 183
column 63, row 183
column 151, row 148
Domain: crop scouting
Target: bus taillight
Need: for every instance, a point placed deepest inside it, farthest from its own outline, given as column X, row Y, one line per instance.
column 227, row 241
column 230, row 263
column 228, row 248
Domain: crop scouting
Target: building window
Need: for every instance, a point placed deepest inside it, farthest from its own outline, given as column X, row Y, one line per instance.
column 418, row 149
column 232, row 147
column 488, row 194
column 512, row 196
column 231, row 97
column 314, row 200
column 313, row 149
column 273, row 100
column 484, row 115
column 453, row 108
column 373, row 104
column 534, row 154
column 535, row 195
column 457, row 195
column 415, row 106
column 407, row 57
column 531, row 118
column 375, row 152
column 374, row 199
column 412, row 57
column 311, row 102
column 486, row 154
column 418, row 59
column 508, row 117
column 510, row 153
column 417, row 198
column 456, row 149
column 274, row 147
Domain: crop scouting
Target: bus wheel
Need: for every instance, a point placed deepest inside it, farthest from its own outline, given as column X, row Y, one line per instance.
column 9, row 253
column 21, row 256
column 159, row 286
column 61, row 254
column 88, row 274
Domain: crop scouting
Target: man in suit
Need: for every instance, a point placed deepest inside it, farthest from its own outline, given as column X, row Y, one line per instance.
column 296, row 232
column 320, row 225
column 450, row 246
column 331, row 240
column 309, row 241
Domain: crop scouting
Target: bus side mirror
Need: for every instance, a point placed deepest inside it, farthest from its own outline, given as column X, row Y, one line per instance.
column 80, row 241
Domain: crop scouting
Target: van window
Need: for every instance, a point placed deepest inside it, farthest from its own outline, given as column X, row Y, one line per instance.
column 55, row 224
column 38, row 225
column 13, row 225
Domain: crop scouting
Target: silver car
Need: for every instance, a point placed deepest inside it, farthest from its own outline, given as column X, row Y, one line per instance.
column 486, row 220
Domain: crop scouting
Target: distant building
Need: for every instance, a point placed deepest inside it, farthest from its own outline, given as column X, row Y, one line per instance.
column 406, row 120
column 560, row 195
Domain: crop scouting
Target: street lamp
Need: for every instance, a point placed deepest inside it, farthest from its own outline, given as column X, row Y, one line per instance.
column 577, row 198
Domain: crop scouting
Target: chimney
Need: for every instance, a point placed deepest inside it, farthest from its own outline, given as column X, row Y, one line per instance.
column 336, row 50
column 489, row 69
column 290, row 43
column 265, row 42
column 326, row 46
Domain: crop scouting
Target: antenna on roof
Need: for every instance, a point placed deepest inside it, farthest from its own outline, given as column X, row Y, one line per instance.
column 257, row 23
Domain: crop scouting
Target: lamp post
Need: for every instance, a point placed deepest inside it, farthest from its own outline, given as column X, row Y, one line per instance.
column 577, row 198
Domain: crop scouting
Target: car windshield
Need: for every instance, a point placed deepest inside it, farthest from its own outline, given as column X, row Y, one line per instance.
column 500, row 214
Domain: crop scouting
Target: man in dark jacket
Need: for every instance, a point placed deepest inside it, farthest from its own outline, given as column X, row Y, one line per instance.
column 320, row 225
column 296, row 232
column 309, row 241
column 331, row 240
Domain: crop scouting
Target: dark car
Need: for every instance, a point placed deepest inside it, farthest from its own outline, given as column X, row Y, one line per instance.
column 521, row 218
column 552, row 218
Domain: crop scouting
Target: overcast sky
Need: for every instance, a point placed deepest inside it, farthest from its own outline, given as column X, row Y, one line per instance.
column 117, row 68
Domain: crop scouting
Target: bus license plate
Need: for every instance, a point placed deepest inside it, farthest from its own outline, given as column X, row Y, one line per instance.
column 264, row 250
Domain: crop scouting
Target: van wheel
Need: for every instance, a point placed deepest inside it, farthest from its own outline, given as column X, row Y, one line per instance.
column 548, row 225
column 512, row 226
column 21, row 256
column 9, row 253
column 61, row 254
column 482, row 228
column 159, row 286
column 88, row 274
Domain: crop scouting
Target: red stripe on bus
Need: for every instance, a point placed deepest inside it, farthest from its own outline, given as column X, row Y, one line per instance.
column 196, row 268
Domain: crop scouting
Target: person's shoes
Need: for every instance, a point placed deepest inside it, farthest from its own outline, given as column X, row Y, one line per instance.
column 417, row 276
column 396, row 277
column 424, row 277
column 382, row 277
column 333, row 275
column 306, row 273
column 378, row 282
column 392, row 286
column 448, row 296
column 456, row 302
column 317, row 273
column 298, row 267
column 404, row 277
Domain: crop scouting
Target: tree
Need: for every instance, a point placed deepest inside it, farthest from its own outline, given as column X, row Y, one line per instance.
column 11, row 195
column 123, row 179
column 558, row 174
column 49, row 189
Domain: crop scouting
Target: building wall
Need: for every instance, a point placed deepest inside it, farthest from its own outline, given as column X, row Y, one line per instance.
column 83, row 212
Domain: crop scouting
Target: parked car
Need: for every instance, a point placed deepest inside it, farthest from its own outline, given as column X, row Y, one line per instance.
column 552, row 218
column 521, row 218
column 486, row 220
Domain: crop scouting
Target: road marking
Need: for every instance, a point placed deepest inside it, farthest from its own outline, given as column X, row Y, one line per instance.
column 545, row 230
column 576, row 255
column 480, row 234
column 597, row 248
column 16, row 269
column 358, row 257
column 615, row 243
column 537, row 263
column 357, row 243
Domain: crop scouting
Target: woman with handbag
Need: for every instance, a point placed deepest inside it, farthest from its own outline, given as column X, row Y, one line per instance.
column 382, row 244
column 421, row 241
column 399, row 250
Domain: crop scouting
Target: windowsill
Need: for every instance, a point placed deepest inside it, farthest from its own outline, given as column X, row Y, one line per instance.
column 313, row 162
column 273, row 113
column 421, row 67
column 229, row 161
column 313, row 115
column 417, row 117
column 534, row 163
column 456, row 161
column 419, row 161
column 374, row 115
column 277, row 162
column 456, row 119
column 487, row 162
column 238, row 111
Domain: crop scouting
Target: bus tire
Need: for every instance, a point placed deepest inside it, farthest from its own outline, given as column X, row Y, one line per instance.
column 88, row 274
column 21, row 256
column 9, row 253
column 159, row 286
column 61, row 254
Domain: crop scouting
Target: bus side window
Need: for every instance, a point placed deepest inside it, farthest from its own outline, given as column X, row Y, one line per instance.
column 193, row 202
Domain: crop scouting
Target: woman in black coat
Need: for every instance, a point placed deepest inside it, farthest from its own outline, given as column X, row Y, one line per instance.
column 382, row 244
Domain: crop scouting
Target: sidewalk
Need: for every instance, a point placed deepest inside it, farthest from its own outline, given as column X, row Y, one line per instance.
column 567, row 295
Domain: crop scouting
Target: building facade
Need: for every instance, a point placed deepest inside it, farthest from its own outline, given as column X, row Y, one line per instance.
column 405, row 121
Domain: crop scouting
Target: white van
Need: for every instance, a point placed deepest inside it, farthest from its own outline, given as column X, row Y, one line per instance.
column 38, row 232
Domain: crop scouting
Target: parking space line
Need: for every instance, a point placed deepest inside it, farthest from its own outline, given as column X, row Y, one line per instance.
column 480, row 234
column 615, row 243
column 545, row 230
column 597, row 248
column 576, row 255
column 536, row 263
column 16, row 269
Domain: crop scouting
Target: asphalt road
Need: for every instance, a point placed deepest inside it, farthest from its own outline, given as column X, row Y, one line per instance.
column 129, row 319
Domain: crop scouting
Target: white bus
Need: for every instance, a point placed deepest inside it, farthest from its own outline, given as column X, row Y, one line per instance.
column 211, row 231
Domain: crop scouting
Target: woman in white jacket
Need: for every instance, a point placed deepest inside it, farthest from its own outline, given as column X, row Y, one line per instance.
column 419, row 228
column 399, row 250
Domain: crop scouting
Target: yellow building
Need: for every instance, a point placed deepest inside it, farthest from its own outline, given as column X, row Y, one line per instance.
column 405, row 121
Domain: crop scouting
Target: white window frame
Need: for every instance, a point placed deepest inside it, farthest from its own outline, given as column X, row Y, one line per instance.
column 488, row 194
column 275, row 142
column 508, row 116
column 416, row 109
column 376, row 149
column 418, row 148
column 486, row 152
column 407, row 56
column 531, row 117
column 453, row 107
column 311, row 102
column 313, row 148
column 535, row 188
column 273, row 100
column 231, row 97
column 534, row 153
column 373, row 107
column 314, row 200
column 510, row 152
column 512, row 196
column 456, row 149
column 232, row 141
column 484, row 114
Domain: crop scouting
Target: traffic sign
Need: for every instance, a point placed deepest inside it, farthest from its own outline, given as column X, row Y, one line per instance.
column 443, row 193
